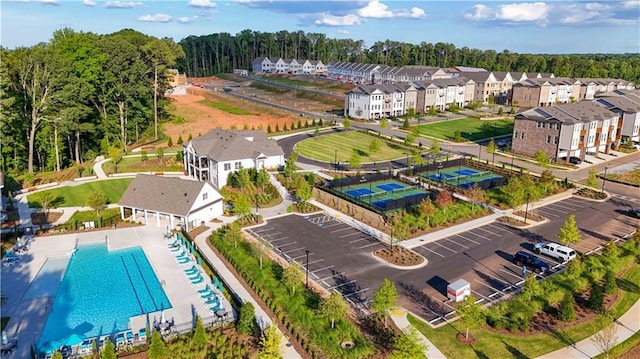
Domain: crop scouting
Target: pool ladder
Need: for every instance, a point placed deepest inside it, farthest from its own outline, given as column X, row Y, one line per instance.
column 163, row 283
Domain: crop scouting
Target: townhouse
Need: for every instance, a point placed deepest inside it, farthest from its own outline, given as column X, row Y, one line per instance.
column 486, row 85
column 292, row 66
column 376, row 101
column 262, row 65
column 627, row 104
column 566, row 130
column 545, row 91
column 441, row 93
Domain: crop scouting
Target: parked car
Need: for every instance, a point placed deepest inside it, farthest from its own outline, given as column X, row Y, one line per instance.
column 531, row 261
column 634, row 212
column 572, row 160
column 554, row 250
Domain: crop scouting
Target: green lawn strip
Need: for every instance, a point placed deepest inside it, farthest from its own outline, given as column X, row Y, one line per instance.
column 623, row 347
column 226, row 108
column 135, row 164
column 470, row 128
column 320, row 148
column 495, row 345
column 297, row 310
column 105, row 216
column 76, row 196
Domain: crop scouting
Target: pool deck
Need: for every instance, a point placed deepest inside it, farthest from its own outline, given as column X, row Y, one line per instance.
column 28, row 316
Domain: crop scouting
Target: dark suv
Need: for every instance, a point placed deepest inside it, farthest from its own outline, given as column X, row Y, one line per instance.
column 634, row 212
column 534, row 263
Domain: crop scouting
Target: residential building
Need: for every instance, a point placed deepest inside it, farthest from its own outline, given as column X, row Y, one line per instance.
column 628, row 108
column 313, row 67
column 441, row 93
column 262, row 65
column 171, row 201
column 375, row 101
column 281, row 66
column 292, row 66
column 214, row 155
column 545, row 91
column 566, row 130
column 487, row 86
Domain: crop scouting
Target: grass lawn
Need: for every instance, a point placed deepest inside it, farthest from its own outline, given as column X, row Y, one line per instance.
column 494, row 345
column 320, row 148
column 225, row 107
column 76, row 196
column 623, row 347
column 321, row 84
column 471, row 129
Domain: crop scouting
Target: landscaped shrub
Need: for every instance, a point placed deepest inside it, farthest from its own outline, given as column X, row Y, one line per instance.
column 246, row 323
column 596, row 298
column 567, row 311
column 610, row 284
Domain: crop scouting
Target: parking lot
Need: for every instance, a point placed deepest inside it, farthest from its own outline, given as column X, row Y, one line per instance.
column 340, row 256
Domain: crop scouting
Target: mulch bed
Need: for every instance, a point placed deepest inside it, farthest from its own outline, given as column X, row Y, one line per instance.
column 590, row 193
column 38, row 218
column 399, row 256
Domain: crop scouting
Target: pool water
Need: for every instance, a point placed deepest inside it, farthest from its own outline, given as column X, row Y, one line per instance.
column 100, row 291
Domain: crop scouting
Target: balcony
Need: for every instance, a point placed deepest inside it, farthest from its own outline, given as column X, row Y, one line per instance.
column 581, row 145
column 611, row 128
column 609, row 141
column 583, row 133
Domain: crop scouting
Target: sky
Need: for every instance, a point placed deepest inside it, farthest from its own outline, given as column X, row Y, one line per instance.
column 518, row 26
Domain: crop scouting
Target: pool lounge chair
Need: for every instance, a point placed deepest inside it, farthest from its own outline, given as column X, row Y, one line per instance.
column 182, row 255
column 192, row 270
column 142, row 334
column 197, row 281
column 185, row 260
column 215, row 308
column 212, row 302
column 206, row 290
column 208, row 296
column 120, row 340
column 174, row 243
column 194, row 275
column 128, row 336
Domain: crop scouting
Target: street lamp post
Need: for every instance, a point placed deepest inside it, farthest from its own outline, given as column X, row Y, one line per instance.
column 526, row 209
column 307, row 266
column 459, row 170
column 604, row 179
column 335, row 159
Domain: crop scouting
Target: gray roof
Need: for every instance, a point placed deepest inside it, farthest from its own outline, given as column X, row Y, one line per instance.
column 478, row 77
column 227, row 145
column 163, row 194
column 619, row 102
column 469, row 69
column 586, row 111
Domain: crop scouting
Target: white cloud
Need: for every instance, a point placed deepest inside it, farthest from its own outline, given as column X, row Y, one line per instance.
column 480, row 13
column 332, row 20
column 523, row 12
column 574, row 14
column 122, row 4
column 202, row 4
column 155, row 18
column 375, row 9
column 596, row 6
column 632, row 4
column 343, row 31
column 89, row 3
column 50, row 2
column 414, row 13
column 186, row 19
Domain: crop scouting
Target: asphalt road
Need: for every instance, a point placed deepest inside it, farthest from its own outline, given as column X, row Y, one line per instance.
column 340, row 256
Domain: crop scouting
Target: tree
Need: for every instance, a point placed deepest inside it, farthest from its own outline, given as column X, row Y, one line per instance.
column 292, row 276
column 606, row 339
column 290, row 165
column 592, row 179
column 199, row 338
column 316, row 132
column 109, row 350
column 435, row 148
column 180, row 140
column 610, row 284
column 531, row 288
column 408, row 345
column 270, row 342
column 304, row 192
column 46, row 198
column 160, row 152
column 566, row 311
column 97, row 200
column 406, row 125
column 384, row 299
column 241, row 205
column 246, row 319
column 384, row 123
column 57, row 355
column 355, row 161
column 115, row 153
column 374, row 146
column 262, row 178
column 569, row 233
column 444, row 199
column 542, row 158
column 548, row 180
column 157, row 348
column 596, row 298
column 333, row 307
column 427, row 209
column 500, row 111
column 491, row 149
column 346, row 123
column 471, row 314
column 170, row 142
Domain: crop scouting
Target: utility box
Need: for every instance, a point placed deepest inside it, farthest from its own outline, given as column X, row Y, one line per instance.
column 458, row 290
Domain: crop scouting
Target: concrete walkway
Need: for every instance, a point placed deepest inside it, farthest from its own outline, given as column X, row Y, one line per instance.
column 97, row 167
column 399, row 317
column 627, row 325
column 233, row 284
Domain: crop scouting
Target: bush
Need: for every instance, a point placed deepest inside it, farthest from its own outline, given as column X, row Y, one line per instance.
column 610, row 284
column 596, row 298
column 246, row 317
column 567, row 311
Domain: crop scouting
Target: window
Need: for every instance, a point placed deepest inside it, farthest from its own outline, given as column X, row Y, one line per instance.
column 548, row 139
column 238, row 165
column 227, row 166
column 522, row 136
column 556, row 140
column 205, row 196
column 557, row 126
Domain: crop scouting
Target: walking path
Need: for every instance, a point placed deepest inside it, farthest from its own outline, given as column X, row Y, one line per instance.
column 399, row 317
column 97, row 167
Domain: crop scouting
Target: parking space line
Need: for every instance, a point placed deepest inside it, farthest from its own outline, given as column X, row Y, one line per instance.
column 288, row 253
column 449, row 249
column 321, row 269
column 511, row 273
column 493, row 233
column 316, row 261
column 496, row 290
column 370, row 245
column 480, row 235
column 302, row 256
column 546, row 214
column 503, row 281
column 358, row 240
column 331, row 276
column 456, row 243
column 285, row 245
column 342, row 229
column 465, row 238
column 266, row 230
column 350, row 234
column 332, row 225
column 570, row 208
column 340, row 285
column 481, row 296
column 436, row 253
column 356, row 292
column 276, row 240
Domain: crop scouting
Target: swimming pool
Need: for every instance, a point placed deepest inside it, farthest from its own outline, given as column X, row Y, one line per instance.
column 100, row 290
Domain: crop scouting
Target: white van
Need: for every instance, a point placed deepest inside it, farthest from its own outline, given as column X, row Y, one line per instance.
column 555, row 250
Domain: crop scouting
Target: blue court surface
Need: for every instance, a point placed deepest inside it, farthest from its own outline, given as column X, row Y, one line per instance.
column 466, row 172
column 389, row 186
column 358, row 192
column 436, row 176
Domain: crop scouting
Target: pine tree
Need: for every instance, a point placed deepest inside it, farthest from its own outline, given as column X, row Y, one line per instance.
column 199, row 338
column 384, row 299
column 180, row 141
column 569, row 233
column 277, row 128
column 190, row 138
column 246, row 318
column 596, row 298
column 610, row 284
column 567, row 312
column 170, row 142
column 109, row 351
column 270, row 342
column 284, row 127
column 157, row 348
column 269, row 128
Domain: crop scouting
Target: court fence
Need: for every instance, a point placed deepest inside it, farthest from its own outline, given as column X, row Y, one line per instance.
column 464, row 181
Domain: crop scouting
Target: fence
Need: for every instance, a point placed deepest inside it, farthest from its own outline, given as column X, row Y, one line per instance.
column 356, row 180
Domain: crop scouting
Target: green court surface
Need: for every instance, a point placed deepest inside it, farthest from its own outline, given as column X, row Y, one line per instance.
column 463, row 177
column 379, row 193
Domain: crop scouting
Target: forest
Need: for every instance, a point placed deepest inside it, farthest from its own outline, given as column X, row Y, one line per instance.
column 219, row 53
column 79, row 95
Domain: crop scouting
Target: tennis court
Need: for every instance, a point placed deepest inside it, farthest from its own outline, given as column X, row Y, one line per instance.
column 462, row 177
column 386, row 195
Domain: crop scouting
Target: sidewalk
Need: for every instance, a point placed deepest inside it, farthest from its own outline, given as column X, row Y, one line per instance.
column 627, row 325
column 234, row 286
column 399, row 316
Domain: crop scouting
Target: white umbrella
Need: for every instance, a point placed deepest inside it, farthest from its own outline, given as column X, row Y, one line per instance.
column 162, row 318
column 4, row 337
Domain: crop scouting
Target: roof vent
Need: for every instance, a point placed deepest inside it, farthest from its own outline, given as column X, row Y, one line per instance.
column 185, row 194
